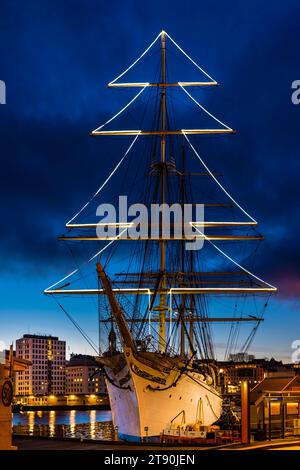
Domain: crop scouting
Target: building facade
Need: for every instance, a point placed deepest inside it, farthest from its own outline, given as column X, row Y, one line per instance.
column 46, row 375
column 253, row 370
column 275, row 407
column 232, row 374
column 81, row 377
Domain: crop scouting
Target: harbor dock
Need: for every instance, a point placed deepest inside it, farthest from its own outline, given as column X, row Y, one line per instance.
column 30, row 443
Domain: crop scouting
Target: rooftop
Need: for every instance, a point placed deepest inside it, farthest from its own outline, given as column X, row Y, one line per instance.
column 275, row 384
column 40, row 336
column 81, row 360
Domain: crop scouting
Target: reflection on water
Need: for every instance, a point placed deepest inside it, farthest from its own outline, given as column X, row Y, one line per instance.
column 73, row 422
column 31, row 422
column 52, row 423
column 88, row 424
column 93, row 424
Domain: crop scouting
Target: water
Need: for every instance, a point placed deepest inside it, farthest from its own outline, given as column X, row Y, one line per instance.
column 88, row 424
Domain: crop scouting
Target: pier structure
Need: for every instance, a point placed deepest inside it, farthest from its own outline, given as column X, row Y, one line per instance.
column 7, row 368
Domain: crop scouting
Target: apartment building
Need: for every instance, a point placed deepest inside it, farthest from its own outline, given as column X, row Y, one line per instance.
column 46, row 375
column 80, row 378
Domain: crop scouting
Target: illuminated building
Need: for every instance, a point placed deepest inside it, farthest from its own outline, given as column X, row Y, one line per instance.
column 46, row 375
column 253, row 370
column 80, row 378
column 275, row 407
column 234, row 372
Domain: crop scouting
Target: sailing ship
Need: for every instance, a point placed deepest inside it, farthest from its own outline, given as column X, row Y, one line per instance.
column 159, row 355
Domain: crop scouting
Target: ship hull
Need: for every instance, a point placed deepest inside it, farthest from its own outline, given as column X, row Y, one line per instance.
column 143, row 406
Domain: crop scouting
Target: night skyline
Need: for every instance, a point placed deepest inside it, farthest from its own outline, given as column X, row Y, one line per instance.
column 56, row 61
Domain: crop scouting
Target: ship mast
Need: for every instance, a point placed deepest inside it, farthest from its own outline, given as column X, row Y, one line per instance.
column 183, row 298
column 162, row 300
column 189, row 287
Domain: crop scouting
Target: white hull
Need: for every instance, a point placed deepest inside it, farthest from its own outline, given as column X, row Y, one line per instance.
column 140, row 411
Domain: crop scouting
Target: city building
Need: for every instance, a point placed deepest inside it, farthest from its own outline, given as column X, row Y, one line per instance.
column 253, row 370
column 275, row 407
column 81, row 377
column 46, row 375
column 232, row 373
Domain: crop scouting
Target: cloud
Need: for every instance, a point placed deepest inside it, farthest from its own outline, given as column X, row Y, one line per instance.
column 55, row 72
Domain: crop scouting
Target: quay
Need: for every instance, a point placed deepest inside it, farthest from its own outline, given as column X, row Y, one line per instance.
column 79, row 406
column 62, row 402
column 30, row 443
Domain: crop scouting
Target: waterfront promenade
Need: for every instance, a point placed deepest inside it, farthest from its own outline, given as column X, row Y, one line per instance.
column 27, row 443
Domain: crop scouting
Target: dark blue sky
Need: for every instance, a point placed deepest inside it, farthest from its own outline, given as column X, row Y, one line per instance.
column 56, row 58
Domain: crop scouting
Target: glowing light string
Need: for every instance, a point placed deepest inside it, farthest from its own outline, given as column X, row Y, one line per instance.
column 61, row 280
column 216, row 180
column 112, row 241
column 232, row 260
column 146, row 84
column 87, row 262
column 188, row 57
column 135, row 62
column 122, row 110
column 105, row 182
column 204, row 109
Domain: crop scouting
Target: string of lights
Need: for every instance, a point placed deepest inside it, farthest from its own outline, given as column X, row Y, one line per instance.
column 121, row 110
column 232, row 260
column 204, row 109
column 68, row 224
column 188, row 57
column 215, row 179
column 135, row 62
column 48, row 290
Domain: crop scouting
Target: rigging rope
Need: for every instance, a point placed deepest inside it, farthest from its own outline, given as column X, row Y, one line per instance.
column 246, row 213
column 250, row 338
column 81, row 331
column 121, row 110
column 231, row 333
column 188, row 57
column 113, row 82
column 232, row 260
column 216, row 180
column 243, row 210
column 106, row 181
column 87, row 262
column 135, row 62
column 204, row 109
